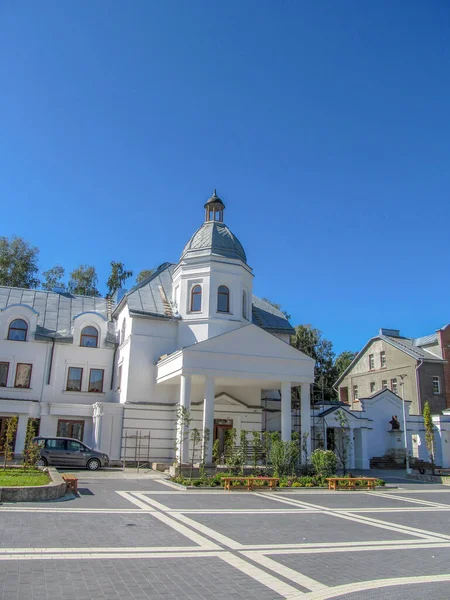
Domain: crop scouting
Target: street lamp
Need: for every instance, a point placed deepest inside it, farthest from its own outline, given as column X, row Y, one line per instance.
column 408, row 470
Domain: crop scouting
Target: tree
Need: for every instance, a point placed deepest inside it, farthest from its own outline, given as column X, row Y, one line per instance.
column 343, row 444
column 10, row 435
column 183, row 420
column 343, row 361
column 429, row 433
column 53, row 278
column 309, row 340
column 144, row 274
column 117, row 277
column 83, row 281
column 18, row 263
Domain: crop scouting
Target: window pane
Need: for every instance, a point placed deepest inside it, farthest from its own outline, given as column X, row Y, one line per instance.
column 196, row 299
column 18, row 330
column 222, row 299
column 4, row 367
column 77, row 430
column 56, row 444
column 96, row 380
column 23, row 376
column 89, row 337
column 74, row 446
column 74, row 379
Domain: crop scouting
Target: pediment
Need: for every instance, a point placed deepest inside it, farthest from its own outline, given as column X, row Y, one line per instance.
column 227, row 400
column 250, row 341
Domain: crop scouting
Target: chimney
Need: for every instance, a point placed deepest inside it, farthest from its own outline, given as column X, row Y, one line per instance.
column 390, row 332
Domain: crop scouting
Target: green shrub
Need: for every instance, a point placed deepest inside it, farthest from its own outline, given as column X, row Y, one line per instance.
column 297, row 484
column 324, row 462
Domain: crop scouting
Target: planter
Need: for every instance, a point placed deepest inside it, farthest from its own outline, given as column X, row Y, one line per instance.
column 38, row 493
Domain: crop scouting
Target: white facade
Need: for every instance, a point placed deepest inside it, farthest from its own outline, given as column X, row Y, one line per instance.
column 192, row 334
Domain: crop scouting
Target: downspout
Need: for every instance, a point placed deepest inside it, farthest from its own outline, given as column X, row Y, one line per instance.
column 419, row 399
column 51, row 362
column 113, row 365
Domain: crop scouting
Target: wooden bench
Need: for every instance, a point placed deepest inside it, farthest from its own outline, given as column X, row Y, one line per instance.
column 334, row 483
column 249, row 481
column 72, row 482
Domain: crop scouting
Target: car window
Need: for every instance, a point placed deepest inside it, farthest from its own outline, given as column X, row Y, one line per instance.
column 75, row 446
column 56, row 444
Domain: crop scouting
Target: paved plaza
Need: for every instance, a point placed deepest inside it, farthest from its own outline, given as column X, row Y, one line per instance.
column 138, row 538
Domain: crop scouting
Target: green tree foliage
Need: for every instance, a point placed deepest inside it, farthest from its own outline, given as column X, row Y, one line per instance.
column 343, row 361
column 284, row 457
column 18, row 263
column 144, row 274
column 32, row 450
column 324, row 462
column 83, row 281
column 117, row 277
column 54, row 278
column 429, row 432
column 309, row 340
column 10, row 434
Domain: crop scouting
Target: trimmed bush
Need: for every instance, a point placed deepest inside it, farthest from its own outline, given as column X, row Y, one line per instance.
column 324, row 462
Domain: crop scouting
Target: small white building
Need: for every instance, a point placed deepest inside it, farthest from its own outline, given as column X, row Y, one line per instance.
column 192, row 334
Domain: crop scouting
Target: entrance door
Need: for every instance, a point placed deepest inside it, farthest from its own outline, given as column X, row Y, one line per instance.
column 220, row 428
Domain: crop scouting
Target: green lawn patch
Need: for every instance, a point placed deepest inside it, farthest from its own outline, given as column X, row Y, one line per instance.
column 21, row 478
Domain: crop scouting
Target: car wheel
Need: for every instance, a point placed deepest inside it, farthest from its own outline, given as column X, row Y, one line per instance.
column 41, row 462
column 93, row 464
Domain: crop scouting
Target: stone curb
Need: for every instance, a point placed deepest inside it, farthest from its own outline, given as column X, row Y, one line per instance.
column 51, row 491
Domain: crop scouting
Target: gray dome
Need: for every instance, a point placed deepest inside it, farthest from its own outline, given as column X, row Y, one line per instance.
column 214, row 238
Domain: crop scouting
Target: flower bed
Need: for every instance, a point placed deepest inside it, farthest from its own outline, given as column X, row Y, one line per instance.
column 212, row 481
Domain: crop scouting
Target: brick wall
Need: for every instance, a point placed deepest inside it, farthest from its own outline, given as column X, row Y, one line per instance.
column 445, row 345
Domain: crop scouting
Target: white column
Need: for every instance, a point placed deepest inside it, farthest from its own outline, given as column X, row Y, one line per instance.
column 365, row 463
column 185, row 402
column 286, row 411
column 208, row 416
column 305, row 414
column 21, row 434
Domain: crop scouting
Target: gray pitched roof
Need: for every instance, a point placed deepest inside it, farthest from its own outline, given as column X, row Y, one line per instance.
column 425, row 340
column 153, row 297
column 55, row 311
column 407, row 345
column 268, row 317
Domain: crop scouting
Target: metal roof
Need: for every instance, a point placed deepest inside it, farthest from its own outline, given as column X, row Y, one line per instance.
column 215, row 238
column 407, row 345
column 425, row 340
column 55, row 311
column 153, row 297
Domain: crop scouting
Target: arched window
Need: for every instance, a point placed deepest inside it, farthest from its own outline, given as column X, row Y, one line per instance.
column 196, row 298
column 89, row 337
column 18, row 330
column 244, row 304
column 223, row 299
column 124, row 330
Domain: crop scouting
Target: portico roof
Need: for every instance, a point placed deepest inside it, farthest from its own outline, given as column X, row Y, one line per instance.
column 247, row 353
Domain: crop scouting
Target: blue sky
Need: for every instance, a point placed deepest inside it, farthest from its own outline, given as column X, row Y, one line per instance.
column 324, row 126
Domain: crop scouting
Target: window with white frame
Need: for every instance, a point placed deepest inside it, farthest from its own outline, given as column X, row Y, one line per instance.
column 372, row 387
column 394, row 385
column 436, row 385
column 382, row 359
column 384, row 384
column 355, row 392
column 371, row 362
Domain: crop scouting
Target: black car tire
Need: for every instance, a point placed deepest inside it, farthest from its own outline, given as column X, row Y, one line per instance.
column 41, row 462
column 93, row 464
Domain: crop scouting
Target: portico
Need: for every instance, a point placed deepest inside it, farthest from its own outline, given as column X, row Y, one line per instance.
column 238, row 364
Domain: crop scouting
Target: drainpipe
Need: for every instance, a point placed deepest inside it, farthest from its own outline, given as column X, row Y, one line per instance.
column 113, row 365
column 51, row 362
column 419, row 399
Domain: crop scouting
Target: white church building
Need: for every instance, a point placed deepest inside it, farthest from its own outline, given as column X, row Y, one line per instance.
column 192, row 334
